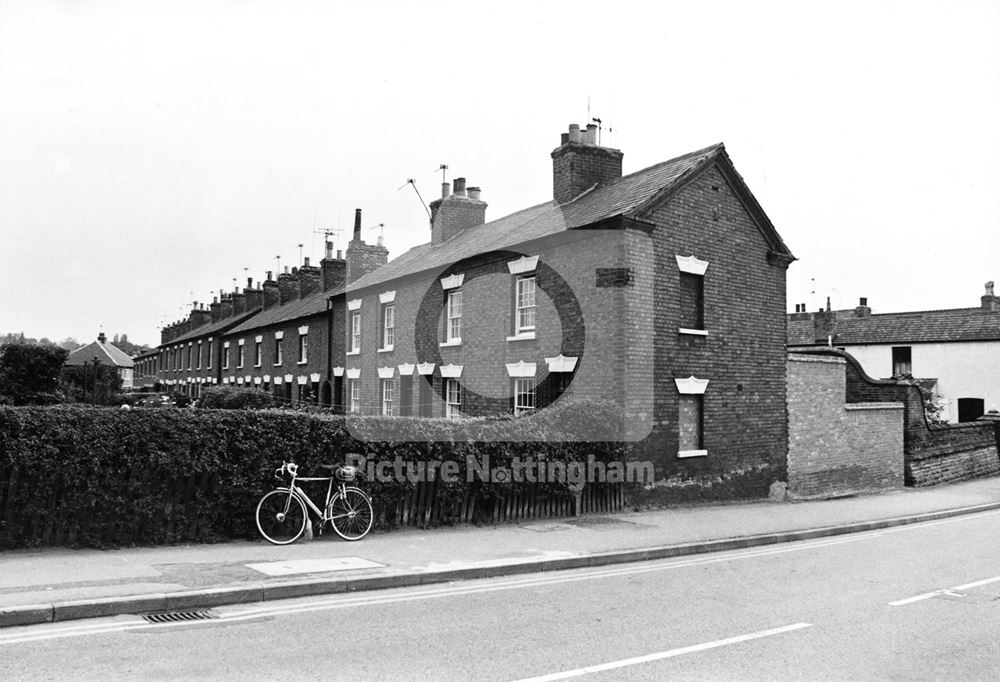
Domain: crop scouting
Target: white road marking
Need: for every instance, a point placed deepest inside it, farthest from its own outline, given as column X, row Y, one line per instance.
column 53, row 631
column 956, row 591
column 346, row 563
column 671, row 653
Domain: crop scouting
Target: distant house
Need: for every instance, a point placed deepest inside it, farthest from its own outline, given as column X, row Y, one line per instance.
column 956, row 352
column 103, row 353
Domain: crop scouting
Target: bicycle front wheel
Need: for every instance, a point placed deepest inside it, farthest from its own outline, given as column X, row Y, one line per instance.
column 281, row 517
column 351, row 514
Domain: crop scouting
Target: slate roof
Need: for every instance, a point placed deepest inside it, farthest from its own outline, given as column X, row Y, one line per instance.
column 927, row 326
column 313, row 304
column 625, row 196
column 105, row 353
column 222, row 325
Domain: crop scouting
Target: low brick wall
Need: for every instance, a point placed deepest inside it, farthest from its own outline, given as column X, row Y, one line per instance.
column 835, row 448
column 933, row 454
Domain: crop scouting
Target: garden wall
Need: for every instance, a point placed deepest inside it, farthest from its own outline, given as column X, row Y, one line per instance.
column 836, row 448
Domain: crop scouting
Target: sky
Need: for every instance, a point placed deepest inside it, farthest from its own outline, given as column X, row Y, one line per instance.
column 153, row 153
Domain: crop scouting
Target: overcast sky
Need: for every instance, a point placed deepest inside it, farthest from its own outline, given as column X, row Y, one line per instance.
column 151, row 152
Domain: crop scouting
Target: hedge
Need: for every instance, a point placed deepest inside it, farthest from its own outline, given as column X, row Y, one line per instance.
column 99, row 477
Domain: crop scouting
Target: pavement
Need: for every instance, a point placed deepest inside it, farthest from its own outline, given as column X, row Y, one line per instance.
column 58, row 584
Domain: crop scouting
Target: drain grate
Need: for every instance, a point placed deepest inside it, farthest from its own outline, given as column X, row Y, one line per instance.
column 178, row 616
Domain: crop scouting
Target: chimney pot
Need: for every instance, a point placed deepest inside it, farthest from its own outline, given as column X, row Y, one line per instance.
column 863, row 301
column 445, row 190
column 564, row 138
column 460, row 187
column 475, row 193
column 574, row 133
column 591, row 138
column 306, row 263
column 357, row 224
column 329, row 249
column 249, row 282
column 340, row 255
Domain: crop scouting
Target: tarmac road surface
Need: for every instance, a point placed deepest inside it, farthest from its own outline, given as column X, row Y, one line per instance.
column 912, row 602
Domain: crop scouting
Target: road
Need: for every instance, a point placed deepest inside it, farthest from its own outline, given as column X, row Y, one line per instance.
column 914, row 602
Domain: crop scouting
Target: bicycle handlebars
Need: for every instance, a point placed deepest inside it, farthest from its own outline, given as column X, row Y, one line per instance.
column 290, row 467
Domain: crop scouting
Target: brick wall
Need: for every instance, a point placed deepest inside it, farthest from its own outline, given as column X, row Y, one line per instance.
column 743, row 355
column 836, row 448
column 933, row 454
column 566, row 280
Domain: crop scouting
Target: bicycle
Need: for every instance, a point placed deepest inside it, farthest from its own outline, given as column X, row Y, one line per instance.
column 282, row 514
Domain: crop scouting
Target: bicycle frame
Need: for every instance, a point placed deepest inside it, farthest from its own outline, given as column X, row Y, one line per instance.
column 299, row 492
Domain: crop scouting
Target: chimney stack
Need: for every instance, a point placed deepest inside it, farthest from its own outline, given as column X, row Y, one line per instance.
column 255, row 297
column 288, row 287
column 239, row 302
column 357, row 225
column 862, row 310
column 989, row 300
column 214, row 309
column 362, row 258
column 271, row 294
column 456, row 212
column 310, row 279
column 226, row 307
column 579, row 163
column 334, row 269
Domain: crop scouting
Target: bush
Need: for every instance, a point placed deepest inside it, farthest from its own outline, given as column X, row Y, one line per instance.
column 228, row 398
column 29, row 374
column 90, row 476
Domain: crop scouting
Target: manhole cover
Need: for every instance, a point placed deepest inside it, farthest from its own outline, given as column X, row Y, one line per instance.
column 178, row 616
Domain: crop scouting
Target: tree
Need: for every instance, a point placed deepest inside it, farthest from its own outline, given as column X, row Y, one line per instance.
column 29, row 374
column 93, row 383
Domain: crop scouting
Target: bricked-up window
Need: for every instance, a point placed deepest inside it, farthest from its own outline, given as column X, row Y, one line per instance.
column 356, row 331
column 453, row 332
column 303, row 348
column 388, row 397
column 689, row 423
column 902, row 361
column 388, row 326
column 208, row 360
column 258, row 353
column 692, row 301
column 277, row 351
column 453, row 399
column 524, row 396
column 425, row 405
column 354, row 395
column 525, row 304
column 406, row 396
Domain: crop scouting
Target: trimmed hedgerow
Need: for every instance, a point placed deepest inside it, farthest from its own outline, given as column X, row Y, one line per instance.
column 85, row 476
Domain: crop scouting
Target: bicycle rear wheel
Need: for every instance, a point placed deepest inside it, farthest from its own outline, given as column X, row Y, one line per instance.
column 281, row 517
column 351, row 514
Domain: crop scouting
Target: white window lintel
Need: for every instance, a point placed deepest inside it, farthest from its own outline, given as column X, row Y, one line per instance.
column 387, row 296
column 451, row 371
column 386, row 372
column 354, row 373
column 522, row 265
column 561, row 363
column 521, row 370
column 406, row 369
column 692, row 265
column 354, row 304
column 452, row 281
column 425, row 368
column 691, row 386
